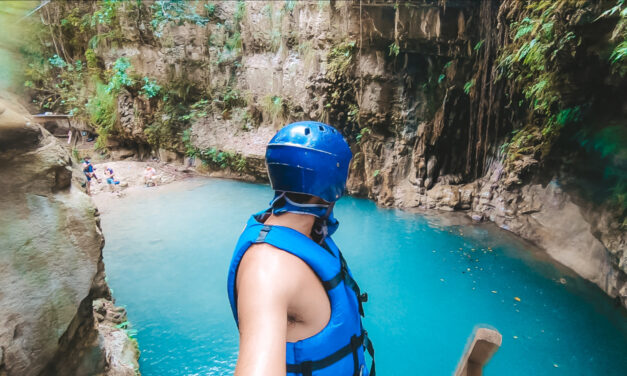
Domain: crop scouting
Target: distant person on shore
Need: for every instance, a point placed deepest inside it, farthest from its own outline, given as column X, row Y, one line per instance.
column 150, row 176
column 89, row 171
column 111, row 181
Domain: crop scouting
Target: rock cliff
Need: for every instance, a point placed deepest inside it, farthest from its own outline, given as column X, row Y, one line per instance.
column 51, row 268
column 503, row 109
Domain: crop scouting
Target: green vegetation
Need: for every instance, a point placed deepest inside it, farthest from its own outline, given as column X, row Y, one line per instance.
column 102, row 109
column 70, row 75
column 120, row 77
column 103, row 16
column 340, row 105
column 394, row 49
column 540, row 41
column 547, row 40
column 276, row 107
column 178, row 12
column 240, row 11
column 223, row 159
column 289, row 5
column 213, row 157
column 619, row 36
column 362, row 133
column 150, row 89
column 341, row 59
column 468, row 86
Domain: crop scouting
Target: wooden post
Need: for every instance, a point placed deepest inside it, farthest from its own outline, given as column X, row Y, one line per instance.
column 478, row 352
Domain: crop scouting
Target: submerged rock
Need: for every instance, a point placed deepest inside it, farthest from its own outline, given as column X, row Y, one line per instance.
column 51, row 267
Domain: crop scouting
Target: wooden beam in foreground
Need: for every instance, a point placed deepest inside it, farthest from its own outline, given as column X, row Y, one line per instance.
column 478, row 352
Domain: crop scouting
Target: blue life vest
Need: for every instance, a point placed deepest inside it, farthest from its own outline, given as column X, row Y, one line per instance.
column 338, row 349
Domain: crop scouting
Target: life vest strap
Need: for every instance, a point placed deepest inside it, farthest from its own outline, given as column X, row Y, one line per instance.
column 344, row 275
column 306, row 368
column 263, row 233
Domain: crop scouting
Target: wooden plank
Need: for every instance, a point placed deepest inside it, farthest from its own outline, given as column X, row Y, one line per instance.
column 484, row 343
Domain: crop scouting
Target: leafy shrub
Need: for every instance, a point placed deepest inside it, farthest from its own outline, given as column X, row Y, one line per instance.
column 177, row 12
column 58, row 62
column 150, row 89
column 120, row 77
column 106, row 13
column 222, row 159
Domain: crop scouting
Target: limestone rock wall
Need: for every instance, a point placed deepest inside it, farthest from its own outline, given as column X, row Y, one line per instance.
column 51, row 265
column 414, row 86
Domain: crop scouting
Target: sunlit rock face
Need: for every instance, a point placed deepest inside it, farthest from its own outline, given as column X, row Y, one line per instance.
column 51, row 266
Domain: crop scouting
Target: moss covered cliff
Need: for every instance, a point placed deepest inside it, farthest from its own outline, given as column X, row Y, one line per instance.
column 510, row 110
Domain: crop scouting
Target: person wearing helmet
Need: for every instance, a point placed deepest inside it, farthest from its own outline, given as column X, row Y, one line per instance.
column 296, row 304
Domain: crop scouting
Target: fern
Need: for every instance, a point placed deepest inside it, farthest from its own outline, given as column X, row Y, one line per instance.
column 468, row 86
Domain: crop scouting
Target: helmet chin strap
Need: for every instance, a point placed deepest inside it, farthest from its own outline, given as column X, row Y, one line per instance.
column 325, row 224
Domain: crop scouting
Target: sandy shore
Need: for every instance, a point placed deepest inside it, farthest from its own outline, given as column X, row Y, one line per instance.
column 131, row 177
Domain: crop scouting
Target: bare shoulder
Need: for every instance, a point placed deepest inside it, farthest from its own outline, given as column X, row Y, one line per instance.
column 266, row 265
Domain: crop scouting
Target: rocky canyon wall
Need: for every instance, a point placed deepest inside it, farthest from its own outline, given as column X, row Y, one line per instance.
column 494, row 108
column 51, row 269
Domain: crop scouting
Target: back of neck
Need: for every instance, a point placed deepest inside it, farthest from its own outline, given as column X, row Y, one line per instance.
column 302, row 223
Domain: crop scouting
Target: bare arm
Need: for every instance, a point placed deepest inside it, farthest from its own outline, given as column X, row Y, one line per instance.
column 263, row 299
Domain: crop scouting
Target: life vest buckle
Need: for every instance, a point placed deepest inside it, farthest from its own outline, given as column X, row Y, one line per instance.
column 363, row 298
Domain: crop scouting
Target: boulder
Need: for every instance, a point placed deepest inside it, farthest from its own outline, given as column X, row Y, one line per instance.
column 50, row 256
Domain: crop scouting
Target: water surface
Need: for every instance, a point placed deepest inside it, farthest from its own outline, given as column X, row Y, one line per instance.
column 430, row 282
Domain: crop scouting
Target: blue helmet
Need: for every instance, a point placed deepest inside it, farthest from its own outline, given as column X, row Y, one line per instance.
column 309, row 157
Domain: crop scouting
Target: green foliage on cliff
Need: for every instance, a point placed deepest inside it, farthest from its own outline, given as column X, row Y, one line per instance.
column 394, row 49
column 106, row 14
column 150, row 89
column 341, row 59
column 178, row 12
column 468, row 86
column 340, row 104
column 240, row 11
column 619, row 36
column 542, row 40
column 120, row 77
column 542, row 66
column 102, row 108
column 214, row 157
column 222, row 159
column 275, row 107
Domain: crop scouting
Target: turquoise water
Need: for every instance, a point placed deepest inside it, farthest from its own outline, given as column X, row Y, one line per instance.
column 430, row 282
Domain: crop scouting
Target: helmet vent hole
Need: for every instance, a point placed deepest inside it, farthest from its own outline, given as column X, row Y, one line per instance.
column 306, row 131
column 321, row 128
